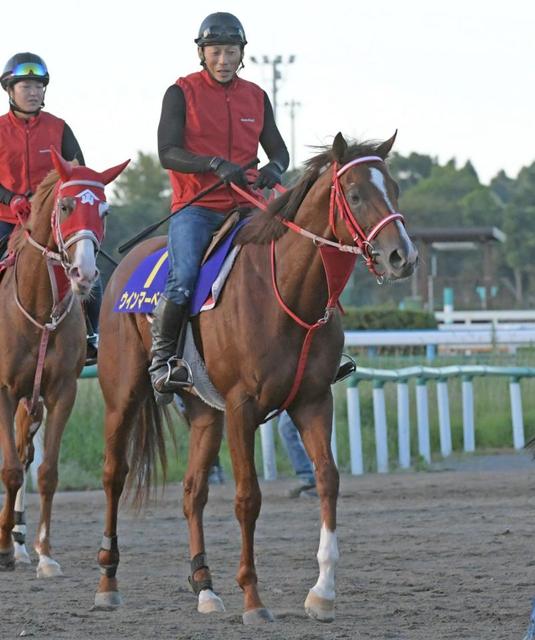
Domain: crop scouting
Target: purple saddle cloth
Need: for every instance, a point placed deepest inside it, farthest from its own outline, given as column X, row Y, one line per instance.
column 147, row 282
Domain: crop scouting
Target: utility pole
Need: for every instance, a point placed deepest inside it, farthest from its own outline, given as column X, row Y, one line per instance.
column 275, row 63
column 292, row 105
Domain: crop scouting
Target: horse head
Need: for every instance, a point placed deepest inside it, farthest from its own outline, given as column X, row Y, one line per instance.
column 364, row 209
column 78, row 219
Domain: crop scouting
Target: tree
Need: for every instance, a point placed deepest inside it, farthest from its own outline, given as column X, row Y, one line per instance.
column 142, row 180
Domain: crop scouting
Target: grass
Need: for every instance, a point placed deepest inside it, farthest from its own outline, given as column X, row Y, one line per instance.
column 82, row 445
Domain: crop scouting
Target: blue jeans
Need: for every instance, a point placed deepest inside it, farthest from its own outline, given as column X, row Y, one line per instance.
column 294, row 448
column 5, row 228
column 190, row 233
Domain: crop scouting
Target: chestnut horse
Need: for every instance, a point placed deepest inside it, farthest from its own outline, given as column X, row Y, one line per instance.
column 252, row 345
column 42, row 340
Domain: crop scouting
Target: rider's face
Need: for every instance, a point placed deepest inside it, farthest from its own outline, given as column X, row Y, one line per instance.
column 222, row 60
column 28, row 95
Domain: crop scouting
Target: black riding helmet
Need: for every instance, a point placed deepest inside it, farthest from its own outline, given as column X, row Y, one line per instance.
column 24, row 66
column 221, row 28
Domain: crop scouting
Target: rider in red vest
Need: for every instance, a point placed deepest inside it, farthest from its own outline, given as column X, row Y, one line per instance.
column 211, row 125
column 26, row 133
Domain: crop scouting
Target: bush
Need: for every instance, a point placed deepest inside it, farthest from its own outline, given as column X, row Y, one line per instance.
column 378, row 318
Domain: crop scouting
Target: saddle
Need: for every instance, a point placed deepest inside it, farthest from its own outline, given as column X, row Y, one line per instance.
column 147, row 282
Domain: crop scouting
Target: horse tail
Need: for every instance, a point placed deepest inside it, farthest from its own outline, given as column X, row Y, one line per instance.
column 148, row 455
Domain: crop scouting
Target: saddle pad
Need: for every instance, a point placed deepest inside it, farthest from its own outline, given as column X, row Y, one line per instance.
column 147, row 282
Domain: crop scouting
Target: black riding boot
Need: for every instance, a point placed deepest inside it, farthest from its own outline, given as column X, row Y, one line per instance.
column 92, row 310
column 168, row 372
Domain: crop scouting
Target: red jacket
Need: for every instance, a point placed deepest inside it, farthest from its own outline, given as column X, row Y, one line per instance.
column 24, row 153
column 221, row 120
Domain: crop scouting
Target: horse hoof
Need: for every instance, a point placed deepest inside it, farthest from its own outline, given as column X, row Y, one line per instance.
column 257, row 616
column 321, row 609
column 209, row 602
column 21, row 555
column 7, row 560
column 48, row 568
column 108, row 600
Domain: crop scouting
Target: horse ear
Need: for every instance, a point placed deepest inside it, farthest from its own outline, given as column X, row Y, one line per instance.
column 384, row 149
column 110, row 174
column 339, row 147
column 61, row 165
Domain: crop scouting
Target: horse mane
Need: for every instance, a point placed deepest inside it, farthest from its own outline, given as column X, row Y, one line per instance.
column 40, row 200
column 265, row 226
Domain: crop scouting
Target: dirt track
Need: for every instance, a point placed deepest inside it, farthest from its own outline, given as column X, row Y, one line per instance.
column 428, row 555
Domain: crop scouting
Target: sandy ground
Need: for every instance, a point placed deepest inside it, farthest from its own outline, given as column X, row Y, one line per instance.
column 427, row 555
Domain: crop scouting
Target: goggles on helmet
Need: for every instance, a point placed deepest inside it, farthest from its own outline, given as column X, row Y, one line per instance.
column 29, row 69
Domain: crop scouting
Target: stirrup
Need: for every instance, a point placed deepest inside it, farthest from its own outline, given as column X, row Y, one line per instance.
column 166, row 384
column 346, row 369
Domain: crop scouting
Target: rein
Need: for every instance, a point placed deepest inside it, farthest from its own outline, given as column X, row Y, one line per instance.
column 338, row 260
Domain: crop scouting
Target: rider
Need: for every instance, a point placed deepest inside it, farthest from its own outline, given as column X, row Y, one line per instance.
column 211, row 124
column 26, row 134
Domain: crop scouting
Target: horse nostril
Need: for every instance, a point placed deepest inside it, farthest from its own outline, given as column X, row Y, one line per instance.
column 397, row 259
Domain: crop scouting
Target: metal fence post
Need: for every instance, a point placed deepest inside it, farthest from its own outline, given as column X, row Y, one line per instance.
column 381, row 433
column 444, row 417
column 355, row 430
column 404, row 431
column 516, row 413
column 269, row 462
column 422, row 416
column 469, row 440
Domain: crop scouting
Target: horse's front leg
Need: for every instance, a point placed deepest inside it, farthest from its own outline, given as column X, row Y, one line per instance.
column 240, row 434
column 12, row 477
column 59, row 405
column 314, row 421
column 206, row 426
column 26, row 428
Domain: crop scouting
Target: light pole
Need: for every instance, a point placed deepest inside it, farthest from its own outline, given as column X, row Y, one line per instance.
column 274, row 62
column 292, row 105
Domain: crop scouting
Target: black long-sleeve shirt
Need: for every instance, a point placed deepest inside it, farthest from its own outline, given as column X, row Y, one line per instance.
column 70, row 150
column 171, row 137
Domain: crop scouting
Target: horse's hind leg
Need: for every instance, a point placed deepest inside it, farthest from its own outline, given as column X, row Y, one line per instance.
column 240, row 434
column 206, row 426
column 59, row 402
column 12, row 477
column 122, row 411
column 314, row 421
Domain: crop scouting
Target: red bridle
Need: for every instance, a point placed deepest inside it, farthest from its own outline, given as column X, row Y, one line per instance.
column 339, row 207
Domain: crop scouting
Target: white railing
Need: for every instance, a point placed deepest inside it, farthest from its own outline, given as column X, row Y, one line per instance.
column 423, row 377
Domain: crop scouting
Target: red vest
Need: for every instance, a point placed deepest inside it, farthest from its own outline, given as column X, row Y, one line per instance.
column 221, row 120
column 24, row 153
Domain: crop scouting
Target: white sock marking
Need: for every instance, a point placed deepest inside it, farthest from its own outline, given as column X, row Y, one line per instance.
column 327, row 558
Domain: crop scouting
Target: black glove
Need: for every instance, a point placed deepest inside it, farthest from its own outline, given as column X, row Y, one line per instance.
column 268, row 176
column 229, row 172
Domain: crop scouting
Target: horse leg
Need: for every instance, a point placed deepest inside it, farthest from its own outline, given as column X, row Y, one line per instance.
column 26, row 427
column 118, row 423
column 206, row 430
column 59, row 404
column 12, row 477
column 240, row 434
column 314, row 421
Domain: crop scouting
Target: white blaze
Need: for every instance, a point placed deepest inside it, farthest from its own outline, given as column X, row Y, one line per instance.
column 84, row 259
column 378, row 180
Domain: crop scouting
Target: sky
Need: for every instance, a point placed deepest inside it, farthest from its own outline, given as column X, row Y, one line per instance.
column 455, row 78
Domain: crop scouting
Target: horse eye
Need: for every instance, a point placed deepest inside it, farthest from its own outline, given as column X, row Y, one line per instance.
column 354, row 197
